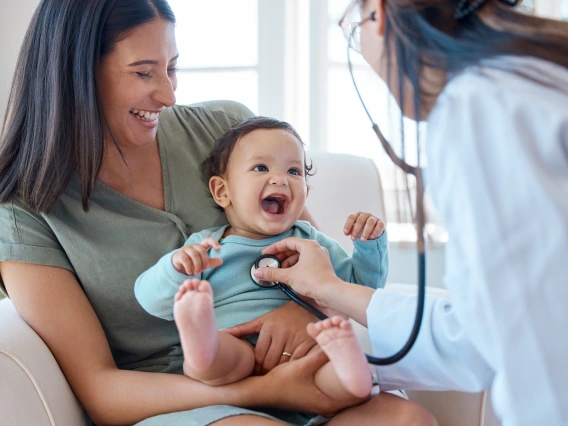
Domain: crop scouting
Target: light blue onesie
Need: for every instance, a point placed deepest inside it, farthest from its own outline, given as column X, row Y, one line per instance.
column 236, row 298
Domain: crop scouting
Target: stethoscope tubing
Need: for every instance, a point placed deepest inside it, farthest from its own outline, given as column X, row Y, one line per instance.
column 287, row 290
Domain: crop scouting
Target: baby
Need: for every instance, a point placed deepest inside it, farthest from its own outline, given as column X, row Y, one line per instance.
column 257, row 175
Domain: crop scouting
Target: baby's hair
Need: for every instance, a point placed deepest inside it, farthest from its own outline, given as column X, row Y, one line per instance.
column 217, row 162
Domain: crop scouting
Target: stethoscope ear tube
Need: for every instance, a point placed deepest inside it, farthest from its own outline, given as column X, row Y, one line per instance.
column 416, row 171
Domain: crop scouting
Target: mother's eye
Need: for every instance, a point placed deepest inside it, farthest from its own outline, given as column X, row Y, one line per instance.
column 144, row 74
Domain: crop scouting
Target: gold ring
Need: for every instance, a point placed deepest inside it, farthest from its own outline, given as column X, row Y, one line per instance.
column 286, row 353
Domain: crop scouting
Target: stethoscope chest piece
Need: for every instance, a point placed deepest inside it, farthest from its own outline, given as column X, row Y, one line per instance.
column 266, row 261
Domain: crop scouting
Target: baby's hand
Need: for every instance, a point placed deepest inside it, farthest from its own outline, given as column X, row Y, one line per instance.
column 364, row 225
column 193, row 258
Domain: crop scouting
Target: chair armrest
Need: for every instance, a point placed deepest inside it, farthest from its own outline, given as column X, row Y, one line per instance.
column 33, row 390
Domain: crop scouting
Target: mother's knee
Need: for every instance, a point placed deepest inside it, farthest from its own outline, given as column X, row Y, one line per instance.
column 413, row 414
column 396, row 411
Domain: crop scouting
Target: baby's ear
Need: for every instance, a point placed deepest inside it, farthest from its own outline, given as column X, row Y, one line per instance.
column 218, row 189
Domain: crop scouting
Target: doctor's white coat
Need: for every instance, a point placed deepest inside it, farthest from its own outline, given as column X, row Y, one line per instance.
column 498, row 171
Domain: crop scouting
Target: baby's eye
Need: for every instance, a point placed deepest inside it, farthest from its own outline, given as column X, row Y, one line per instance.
column 294, row 172
column 260, row 168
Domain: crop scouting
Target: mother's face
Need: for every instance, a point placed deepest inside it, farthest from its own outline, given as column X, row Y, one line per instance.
column 137, row 82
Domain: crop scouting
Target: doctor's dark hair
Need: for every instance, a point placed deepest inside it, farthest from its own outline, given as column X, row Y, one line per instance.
column 54, row 124
column 425, row 34
column 217, row 162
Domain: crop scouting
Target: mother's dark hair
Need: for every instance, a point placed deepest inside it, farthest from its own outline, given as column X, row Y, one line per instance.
column 424, row 34
column 54, row 123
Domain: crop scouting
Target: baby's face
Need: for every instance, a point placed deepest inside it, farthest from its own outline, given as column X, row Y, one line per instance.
column 265, row 183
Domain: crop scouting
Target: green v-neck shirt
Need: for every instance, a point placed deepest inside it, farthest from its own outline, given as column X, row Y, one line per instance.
column 108, row 247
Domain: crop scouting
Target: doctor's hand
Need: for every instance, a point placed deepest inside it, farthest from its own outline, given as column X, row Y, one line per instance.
column 280, row 331
column 193, row 259
column 364, row 226
column 307, row 268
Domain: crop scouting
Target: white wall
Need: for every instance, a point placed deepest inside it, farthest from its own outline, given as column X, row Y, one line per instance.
column 14, row 21
column 403, row 267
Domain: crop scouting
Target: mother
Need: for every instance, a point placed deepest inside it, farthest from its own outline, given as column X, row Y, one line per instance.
column 98, row 178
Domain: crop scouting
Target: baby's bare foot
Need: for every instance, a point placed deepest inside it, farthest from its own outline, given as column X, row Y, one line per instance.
column 195, row 320
column 339, row 342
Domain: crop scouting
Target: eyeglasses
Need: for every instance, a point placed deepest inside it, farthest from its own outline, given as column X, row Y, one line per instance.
column 351, row 22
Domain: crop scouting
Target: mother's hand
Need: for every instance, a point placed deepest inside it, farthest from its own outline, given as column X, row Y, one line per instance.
column 310, row 271
column 281, row 330
column 291, row 386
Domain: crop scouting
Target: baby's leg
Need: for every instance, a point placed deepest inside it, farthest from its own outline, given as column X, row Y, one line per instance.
column 210, row 356
column 347, row 374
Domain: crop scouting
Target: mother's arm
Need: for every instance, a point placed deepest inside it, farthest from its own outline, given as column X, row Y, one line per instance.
column 51, row 301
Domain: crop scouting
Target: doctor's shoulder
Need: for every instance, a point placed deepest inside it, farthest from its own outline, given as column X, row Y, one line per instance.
column 514, row 81
column 492, row 100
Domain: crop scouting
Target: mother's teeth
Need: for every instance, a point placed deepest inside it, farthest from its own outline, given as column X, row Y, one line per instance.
column 145, row 115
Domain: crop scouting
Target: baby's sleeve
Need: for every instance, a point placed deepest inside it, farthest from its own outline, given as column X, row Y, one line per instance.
column 368, row 265
column 156, row 287
column 26, row 237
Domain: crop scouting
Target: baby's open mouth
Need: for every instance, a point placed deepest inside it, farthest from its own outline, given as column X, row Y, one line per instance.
column 275, row 204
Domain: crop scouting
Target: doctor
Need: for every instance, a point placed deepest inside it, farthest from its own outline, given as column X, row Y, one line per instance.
column 493, row 85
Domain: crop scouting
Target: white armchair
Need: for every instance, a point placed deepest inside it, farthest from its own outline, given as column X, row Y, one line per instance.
column 33, row 390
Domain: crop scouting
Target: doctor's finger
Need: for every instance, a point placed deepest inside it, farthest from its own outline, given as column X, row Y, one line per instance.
column 290, row 261
column 282, row 256
column 287, row 244
column 273, row 275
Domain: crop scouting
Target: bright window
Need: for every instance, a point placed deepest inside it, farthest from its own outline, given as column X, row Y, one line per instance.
column 218, row 50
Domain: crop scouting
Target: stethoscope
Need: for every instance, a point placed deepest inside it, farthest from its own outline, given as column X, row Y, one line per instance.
column 269, row 261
